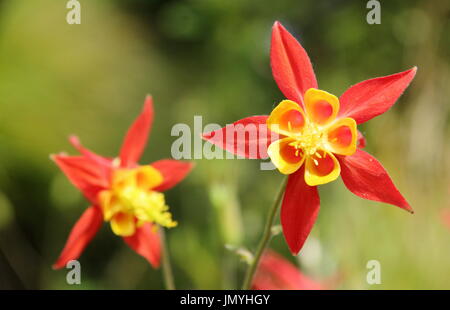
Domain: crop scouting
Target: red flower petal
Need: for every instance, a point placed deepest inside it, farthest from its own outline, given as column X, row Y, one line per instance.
column 373, row 97
column 277, row 273
column 75, row 141
column 103, row 162
column 365, row 177
column 87, row 175
column 248, row 137
column 299, row 210
column 173, row 172
column 146, row 242
column 291, row 67
column 136, row 138
column 361, row 143
column 82, row 233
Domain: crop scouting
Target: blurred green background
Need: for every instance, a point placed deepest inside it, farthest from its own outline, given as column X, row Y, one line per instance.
column 211, row 58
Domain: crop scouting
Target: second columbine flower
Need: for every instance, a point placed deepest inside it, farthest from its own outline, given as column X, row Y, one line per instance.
column 128, row 196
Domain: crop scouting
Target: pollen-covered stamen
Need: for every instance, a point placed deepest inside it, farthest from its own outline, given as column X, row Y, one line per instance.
column 131, row 202
column 309, row 140
column 147, row 206
column 311, row 136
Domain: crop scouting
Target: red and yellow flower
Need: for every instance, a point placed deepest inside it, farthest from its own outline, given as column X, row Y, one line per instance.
column 128, row 196
column 318, row 136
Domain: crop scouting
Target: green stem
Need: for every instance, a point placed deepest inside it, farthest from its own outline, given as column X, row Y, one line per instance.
column 267, row 235
column 166, row 267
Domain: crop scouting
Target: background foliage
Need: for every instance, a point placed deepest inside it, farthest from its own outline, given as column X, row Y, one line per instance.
column 211, row 58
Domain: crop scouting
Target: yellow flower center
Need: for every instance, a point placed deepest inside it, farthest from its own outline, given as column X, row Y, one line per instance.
column 130, row 202
column 311, row 135
column 311, row 139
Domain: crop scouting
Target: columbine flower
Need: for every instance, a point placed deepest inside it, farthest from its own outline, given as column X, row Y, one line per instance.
column 121, row 192
column 319, row 137
column 276, row 273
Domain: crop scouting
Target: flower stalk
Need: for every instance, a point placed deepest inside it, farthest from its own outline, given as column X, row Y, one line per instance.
column 267, row 235
column 166, row 266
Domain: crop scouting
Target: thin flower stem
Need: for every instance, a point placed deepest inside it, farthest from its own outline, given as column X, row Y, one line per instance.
column 267, row 235
column 166, row 267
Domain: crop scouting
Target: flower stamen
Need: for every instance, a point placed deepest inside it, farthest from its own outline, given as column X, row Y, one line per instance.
column 289, row 126
column 131, row 195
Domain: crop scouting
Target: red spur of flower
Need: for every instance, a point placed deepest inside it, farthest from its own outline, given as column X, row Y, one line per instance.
column 277, row 273
column 121, row 192
column 318, row 136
